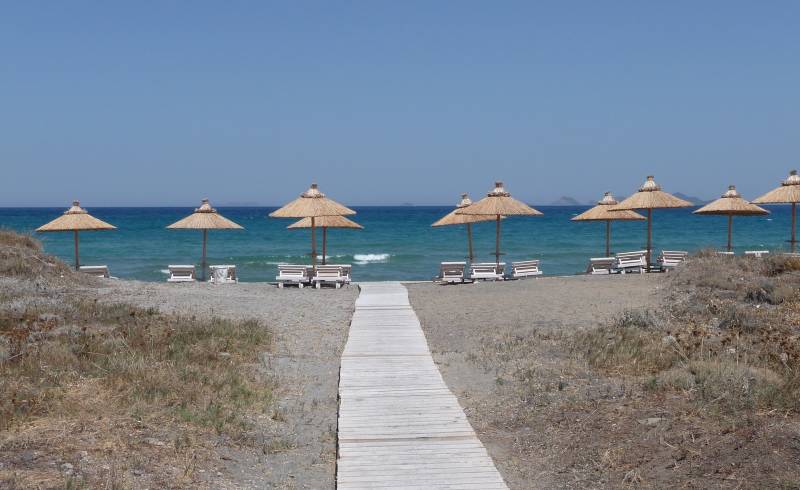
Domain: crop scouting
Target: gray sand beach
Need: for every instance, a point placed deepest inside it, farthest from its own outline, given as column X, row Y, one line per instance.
column 499, row 348
column 310, row 328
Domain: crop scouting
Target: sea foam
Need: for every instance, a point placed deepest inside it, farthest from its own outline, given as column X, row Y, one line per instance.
column 362, row 259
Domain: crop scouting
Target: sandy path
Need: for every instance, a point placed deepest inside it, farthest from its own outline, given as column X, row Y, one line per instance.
column 498, row 346
column 310, row 329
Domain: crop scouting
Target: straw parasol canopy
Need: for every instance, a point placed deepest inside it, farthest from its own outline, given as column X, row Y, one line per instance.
column 603, row 212
column 75, row 219
column 650, row 197
column 204, row 218
column 787, row 193
column 499, row 203
column 453, row 218
column 326, row 222
column 312, row 204
column 731, row 204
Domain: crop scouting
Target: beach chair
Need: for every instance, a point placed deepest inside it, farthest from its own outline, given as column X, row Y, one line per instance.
column 488, row 271
column 600, row 265
column 293, row 274
column 452, row 272
column 328, row 274
column 669, row 259
column 631, row 261
column 525, row 268
column 181, row 273
column 223, row 274
column 347, row 271
column 724, row 254
column 95, row 270
column 756, row 253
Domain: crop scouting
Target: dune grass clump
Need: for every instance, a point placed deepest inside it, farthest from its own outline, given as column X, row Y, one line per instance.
column 727, row 335
column 93, row 394
column 154, row 365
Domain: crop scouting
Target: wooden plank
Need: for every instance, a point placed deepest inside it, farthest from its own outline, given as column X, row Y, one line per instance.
column 399, row 424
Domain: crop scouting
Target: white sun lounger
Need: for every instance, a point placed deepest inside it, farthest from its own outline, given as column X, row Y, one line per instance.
column 631, row 261
column 756, row 253
column 181, row 273
column 95, row 270
column 293, row 274
column 669, row 259
column 488, row 271
column 347, row 271
column 525, row 268
column 725, row 254
column 329, row 274
column 600, row 265
column 452, row 272
column 223, row 274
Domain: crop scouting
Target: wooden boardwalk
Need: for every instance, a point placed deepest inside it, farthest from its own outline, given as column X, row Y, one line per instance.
column 399, row 424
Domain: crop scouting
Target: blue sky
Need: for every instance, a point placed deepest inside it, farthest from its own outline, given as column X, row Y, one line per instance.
column 162, row 103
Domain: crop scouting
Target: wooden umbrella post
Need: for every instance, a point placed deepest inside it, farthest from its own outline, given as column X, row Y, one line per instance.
column 649, row 235
column 608, row 238
column 730, row 232
column 794, row 226
column 324, row 244
column 313, row 242
column 203, row 261
column 497, row 241
column 470, row 255
column 77, row 261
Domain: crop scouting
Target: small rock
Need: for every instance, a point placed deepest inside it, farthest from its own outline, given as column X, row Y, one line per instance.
column 650, row 421
column 153, row 441
column 84, row 454
column 224, row 355
column 137, row 472
column 219, row 473
column 67, row 468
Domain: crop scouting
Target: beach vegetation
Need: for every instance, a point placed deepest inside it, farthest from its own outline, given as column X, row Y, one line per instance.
column 83, row 380
column 726, row 336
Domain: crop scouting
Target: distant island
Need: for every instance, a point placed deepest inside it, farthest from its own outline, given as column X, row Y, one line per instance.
column 694, row 200
column 566, row 201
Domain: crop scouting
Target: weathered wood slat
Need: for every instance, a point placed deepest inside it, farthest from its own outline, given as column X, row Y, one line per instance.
column 399, row 424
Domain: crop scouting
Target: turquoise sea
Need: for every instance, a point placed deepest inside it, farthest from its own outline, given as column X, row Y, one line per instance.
column 397, row 242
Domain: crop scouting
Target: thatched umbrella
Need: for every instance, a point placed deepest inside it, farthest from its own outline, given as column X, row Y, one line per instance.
column 312, row 204
column 76, row 219
column 326, row 222
column 731, row 204
column 603, row 212
column 204, row 218
column 650, row 197
column 498, row 203
column 453, row 218
column 787, row 193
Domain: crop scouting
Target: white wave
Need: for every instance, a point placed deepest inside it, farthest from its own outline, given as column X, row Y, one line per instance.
column 362, row 259
column 164, row 271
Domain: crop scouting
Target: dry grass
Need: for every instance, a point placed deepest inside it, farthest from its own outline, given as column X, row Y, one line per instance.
column 132, row 389
column 728, row 339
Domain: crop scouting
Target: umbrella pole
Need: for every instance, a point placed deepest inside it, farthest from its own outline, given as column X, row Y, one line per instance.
column 794, row 225
column 649, row 235
column 324, row 244
column 313, row 242
column 608, row 238
column 730, row 229
column 203, row 261
column 497, row 241
column 77, row 261
column 469, row 242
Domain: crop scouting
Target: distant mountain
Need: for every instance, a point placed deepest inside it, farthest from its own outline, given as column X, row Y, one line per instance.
column 694, row 200
column 566, row 201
